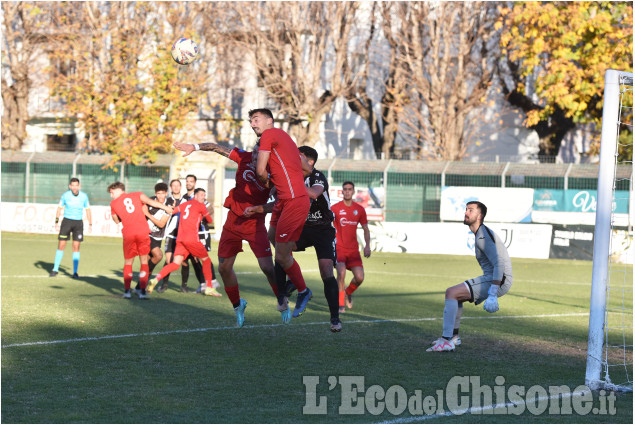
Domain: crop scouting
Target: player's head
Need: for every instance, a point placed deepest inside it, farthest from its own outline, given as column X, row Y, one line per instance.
column 310, row 154
column 190, row 182
column 260, row 120
column 161, row 191
column 475, row 212
column 74, row 186
column 348, row 189
column 116, row 189
column 175, row 186
column 199, row 195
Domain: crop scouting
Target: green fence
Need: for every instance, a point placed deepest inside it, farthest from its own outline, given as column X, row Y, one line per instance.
column 413, row 188
column 406, row 190
column 43, row 177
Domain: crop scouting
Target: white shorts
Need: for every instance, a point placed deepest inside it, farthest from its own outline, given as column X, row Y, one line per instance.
column 479, row 288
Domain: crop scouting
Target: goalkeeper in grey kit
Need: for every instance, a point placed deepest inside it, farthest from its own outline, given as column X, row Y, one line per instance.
column 496, row 280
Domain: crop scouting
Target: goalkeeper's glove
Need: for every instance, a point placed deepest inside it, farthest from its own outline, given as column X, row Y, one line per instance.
column 491, row 303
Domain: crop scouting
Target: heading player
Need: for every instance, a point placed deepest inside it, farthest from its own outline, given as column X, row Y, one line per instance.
column 496, row 280
column 319, row 232
column 279, row 164
column 348, row 215
column 127, row 208
column 239, row 225
column 73, row 202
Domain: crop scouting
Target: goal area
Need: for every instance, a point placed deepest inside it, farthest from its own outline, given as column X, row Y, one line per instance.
column 610, row 342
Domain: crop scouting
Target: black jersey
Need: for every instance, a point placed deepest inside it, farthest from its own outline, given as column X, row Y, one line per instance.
column 156, row 232
column 172, row 228
column 320, row 213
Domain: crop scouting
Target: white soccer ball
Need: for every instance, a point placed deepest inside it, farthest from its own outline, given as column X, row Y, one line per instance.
column 184, row 51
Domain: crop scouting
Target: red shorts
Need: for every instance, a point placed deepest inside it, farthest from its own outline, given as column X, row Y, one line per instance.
column 350, row 258
column 238, row 229
column 185, row 248
column 134, row 245
column 275, row 215
column 293, row 213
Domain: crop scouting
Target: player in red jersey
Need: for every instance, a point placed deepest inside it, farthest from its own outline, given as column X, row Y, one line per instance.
column 240, row 226
column 187, row 240
column 348, row 214
column 127, row 208
column 279, row 164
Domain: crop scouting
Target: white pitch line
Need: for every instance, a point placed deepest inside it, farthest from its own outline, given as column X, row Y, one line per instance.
column 274, row 325
column 478, row 410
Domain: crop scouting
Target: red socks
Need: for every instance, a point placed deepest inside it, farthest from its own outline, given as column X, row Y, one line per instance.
column 342, row 295
column 233, row 294
column 167, row 270
column 144, row 274
column 127, row 276
column 295, row 275
column 351, row 288
column 207, row 271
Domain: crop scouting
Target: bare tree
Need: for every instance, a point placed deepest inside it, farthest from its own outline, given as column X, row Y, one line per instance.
column 448, row 51
column 372, row 74
column 296, row 56
column 23, row 33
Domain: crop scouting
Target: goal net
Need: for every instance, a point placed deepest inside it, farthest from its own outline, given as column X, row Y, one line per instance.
column 610, row 348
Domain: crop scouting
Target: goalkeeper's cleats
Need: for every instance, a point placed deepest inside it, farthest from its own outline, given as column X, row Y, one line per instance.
column 442, row 344
column 455, row 339
column 151, row 284
column 211, row 291
column 240, row 313
column 302, row 301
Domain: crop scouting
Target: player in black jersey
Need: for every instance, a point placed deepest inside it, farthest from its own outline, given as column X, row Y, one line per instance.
column 319, row 232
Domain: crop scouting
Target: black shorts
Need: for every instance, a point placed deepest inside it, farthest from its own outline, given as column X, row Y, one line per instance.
column 76, row 227
column 170, row 244
column 322, row 238
column 155, row 243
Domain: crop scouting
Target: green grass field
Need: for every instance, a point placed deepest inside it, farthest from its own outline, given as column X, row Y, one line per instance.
column 75, row 351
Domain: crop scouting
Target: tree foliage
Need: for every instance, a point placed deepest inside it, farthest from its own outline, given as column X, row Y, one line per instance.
column 130, row 99
column 560, row 51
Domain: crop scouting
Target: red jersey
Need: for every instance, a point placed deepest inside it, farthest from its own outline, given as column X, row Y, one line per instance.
column 129, row 208
column 346, row 221
column 284, row 164
column 248, row 191
column 192, row 212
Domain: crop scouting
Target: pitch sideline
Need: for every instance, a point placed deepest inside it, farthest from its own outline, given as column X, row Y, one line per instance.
column 273, row 325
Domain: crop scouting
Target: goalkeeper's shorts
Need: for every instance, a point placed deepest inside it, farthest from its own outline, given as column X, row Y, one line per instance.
column 479, row 287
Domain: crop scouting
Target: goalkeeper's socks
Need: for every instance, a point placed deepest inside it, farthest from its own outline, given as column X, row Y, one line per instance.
column 75, row 261
column 58, row 259
column 449, row 316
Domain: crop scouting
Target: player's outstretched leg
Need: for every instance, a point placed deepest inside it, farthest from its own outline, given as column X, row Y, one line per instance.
column 240, row 313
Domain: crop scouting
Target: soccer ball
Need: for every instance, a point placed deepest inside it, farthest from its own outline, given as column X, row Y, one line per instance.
column 184, row 51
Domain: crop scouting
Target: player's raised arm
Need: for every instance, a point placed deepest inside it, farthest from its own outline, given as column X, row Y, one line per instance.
column 209, row 147
column 156, row 204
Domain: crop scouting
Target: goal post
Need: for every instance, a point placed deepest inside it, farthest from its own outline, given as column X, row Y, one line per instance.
column 614, row 83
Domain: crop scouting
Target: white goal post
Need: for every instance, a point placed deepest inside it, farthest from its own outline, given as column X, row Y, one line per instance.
column 597, row 368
